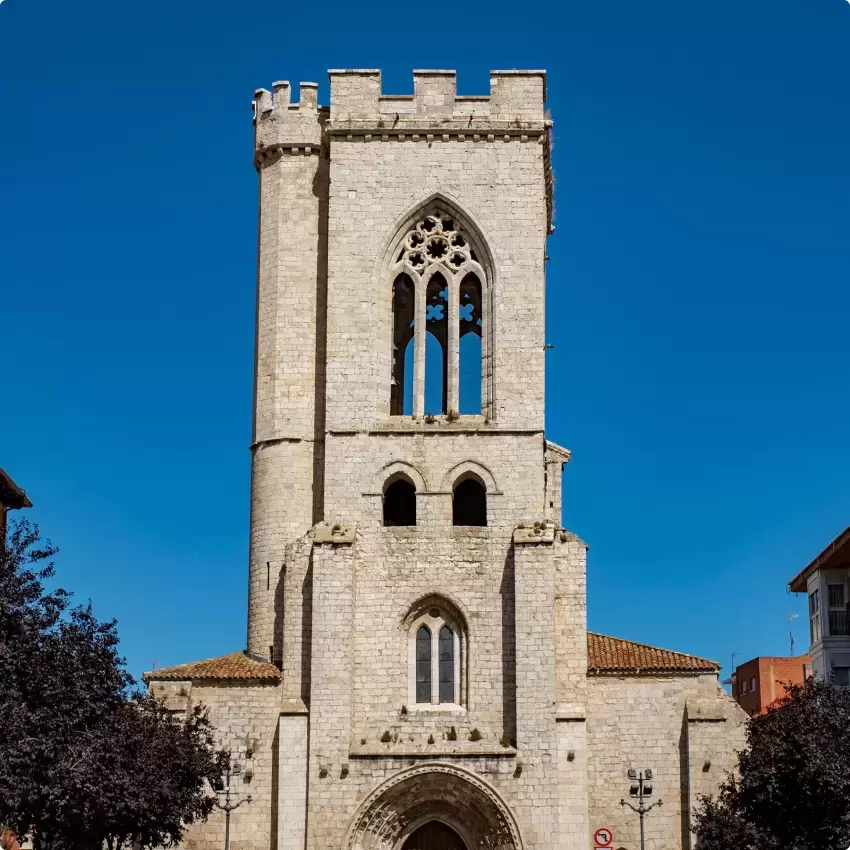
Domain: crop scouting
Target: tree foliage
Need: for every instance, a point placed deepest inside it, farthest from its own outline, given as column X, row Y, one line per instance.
column 86, row 759
column 792, row 791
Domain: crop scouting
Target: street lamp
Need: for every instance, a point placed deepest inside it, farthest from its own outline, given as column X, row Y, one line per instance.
column 227, row 806
column 640, row 789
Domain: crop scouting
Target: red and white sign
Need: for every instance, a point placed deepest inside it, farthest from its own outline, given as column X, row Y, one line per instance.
column 602, row 838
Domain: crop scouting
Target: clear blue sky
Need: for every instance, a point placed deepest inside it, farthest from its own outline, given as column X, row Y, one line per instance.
column 698, row 291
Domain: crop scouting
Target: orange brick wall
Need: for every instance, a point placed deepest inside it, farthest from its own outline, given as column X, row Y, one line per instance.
column 771, row 673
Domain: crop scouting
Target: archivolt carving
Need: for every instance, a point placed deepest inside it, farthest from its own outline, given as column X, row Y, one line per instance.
column 437, row 791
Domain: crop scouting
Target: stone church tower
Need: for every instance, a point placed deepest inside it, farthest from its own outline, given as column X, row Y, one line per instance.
column 418, row 672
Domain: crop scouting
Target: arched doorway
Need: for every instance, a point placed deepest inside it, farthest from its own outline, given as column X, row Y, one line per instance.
column 434, row 836
column 435, row 806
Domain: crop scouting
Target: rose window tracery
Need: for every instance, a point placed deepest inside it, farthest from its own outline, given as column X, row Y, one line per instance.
column 434, row 239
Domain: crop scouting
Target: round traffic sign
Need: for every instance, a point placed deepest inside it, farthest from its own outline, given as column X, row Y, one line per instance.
column 603, row 837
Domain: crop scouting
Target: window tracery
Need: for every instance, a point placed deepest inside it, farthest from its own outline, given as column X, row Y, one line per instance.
column 439, row 297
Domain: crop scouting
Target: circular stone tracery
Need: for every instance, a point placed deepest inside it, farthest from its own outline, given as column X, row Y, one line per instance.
column 434, row 239
column 441, row 792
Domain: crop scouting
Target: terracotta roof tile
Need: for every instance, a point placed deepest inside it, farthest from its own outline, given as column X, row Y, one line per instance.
column 235, row 666
column 614, row 655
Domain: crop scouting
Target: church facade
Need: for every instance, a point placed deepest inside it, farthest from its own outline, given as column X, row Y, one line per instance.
column 418, row 672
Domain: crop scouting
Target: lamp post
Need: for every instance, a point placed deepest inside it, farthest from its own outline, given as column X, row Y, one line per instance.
column 640, row 790
column 227, row 806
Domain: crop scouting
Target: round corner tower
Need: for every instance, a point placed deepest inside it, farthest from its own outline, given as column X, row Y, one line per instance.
column 286, row 477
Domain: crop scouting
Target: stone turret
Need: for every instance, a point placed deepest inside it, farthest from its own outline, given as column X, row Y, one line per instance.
column 286, row 490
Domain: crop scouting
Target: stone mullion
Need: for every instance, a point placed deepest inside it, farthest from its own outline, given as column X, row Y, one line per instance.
column 453, row 346
column 419, row 347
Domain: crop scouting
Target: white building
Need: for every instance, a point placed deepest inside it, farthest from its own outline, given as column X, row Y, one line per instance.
column 418, row 671
column 826, row 581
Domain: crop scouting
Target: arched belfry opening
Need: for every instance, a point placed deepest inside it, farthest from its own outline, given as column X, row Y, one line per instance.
column 441, row 278
column 399, row 502
column 401, row 393
column 469, row 502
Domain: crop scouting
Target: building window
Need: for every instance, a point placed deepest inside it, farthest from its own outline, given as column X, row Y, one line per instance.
column 753, row 685
column 838, row 624
column 436, row 647
column 423, row 664
column 400, row 502
column 469, row 502
column 814, row 616
column 841, row 676
column 743, row 686
column 401, row 393
column 439, row 300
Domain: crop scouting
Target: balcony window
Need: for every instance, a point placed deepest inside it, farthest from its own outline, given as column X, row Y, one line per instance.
column 838, row 622
column 841, row 676
column 814, row 616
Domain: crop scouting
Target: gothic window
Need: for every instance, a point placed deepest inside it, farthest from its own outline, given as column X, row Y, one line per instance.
column 436, row 360
column 469, row 353
column 439, row 284
column 400, row 502
column 469, row 502
column 401, row 395
column 447, row 665
column 423, row 665
column 436, row 644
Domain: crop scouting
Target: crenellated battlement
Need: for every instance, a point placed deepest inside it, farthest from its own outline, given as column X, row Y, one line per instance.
column 515, row 108
column 516, row 103
column 280, row 125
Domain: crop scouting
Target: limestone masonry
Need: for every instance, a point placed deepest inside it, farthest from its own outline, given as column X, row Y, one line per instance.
column 418, row 671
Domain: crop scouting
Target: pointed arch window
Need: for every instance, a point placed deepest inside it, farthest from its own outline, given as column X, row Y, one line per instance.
column 423, row 664
column 437, row 642
column 447, row 665
column 440, row 301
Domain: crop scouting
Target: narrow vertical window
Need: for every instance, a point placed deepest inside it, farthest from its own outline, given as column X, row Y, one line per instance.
column 447, row 665
column 401, row 395
column 437, row 326
column 814, row 616
column 838, row 624
column 423, row 664
column 470, row 349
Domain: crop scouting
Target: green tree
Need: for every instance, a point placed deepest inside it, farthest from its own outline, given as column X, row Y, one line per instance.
column 86, row 759
column 792, row 791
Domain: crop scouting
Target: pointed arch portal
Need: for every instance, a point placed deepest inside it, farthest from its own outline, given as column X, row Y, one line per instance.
column 433, row 803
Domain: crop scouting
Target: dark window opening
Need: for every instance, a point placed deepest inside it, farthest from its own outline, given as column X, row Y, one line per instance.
column 447, row 665
column 470, row 350
column 423, row 664
column 469, row 503
column 400, row 503
column 437, row 327
column 403, row 309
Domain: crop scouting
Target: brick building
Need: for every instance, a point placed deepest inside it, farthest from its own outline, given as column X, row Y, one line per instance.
column 759, row 682
column 418, row 672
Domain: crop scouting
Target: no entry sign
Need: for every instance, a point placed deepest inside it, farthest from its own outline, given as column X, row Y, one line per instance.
column 603, row 837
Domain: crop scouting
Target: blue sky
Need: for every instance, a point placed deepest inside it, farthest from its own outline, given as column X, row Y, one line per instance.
column 698, row 291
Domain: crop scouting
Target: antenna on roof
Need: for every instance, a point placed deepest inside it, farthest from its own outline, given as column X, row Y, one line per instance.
column 791, row 618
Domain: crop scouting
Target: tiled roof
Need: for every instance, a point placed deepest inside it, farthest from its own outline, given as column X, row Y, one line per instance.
column 614, row 655
column 236, row 666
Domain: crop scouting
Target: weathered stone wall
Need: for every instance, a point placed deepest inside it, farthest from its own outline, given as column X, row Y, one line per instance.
column 238, row 710
column 651, row 722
